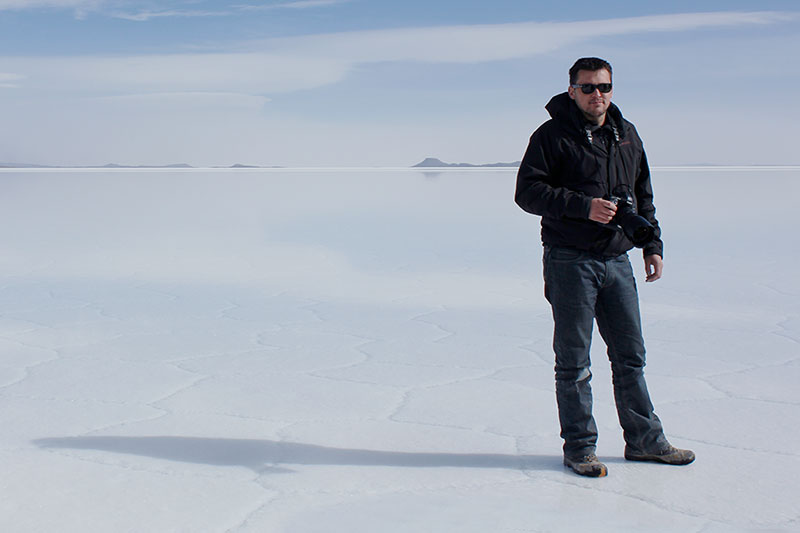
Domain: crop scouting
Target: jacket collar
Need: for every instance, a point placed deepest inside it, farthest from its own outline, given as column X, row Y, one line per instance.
column 563, row 109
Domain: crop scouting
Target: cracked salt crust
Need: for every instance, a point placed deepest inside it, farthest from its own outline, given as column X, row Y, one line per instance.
column 224, row 364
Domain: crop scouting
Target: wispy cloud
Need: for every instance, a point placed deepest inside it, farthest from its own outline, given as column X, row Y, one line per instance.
column 144, row 16
column 193, row 100
column 150, row 14
column 10, row 81
column 297, row 4
column 80, row 7
column 495, row 42
column 295, row 63
column 36, row 4
column 211, row 106
column 127, row 10
column 252, row 73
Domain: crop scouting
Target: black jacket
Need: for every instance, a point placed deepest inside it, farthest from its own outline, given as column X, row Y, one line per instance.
column 568, row 163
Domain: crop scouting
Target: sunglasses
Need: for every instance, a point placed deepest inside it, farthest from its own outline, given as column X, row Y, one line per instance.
column 589, row 88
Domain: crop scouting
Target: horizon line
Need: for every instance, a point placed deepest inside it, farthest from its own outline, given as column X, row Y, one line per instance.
column 357, row 168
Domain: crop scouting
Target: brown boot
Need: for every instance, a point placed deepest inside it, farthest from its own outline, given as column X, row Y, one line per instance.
column 670, row 456
column 586, row 465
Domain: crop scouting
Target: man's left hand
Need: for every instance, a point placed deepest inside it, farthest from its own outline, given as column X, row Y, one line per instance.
column 653, row 266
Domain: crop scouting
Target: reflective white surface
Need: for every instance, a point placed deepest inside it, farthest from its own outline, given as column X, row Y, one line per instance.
column 369, row 350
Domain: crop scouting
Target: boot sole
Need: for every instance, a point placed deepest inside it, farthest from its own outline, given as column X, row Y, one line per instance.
column 660, row 459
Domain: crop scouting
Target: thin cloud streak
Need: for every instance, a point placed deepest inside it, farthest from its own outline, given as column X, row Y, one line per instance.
column 175, row 100
column 144, row 16
column 297, row 63
column 299, row 4
column 254, row 73
column 82, row 7
column 497, row 42
column 9, row 80
column 37, row 4
column 211, row 107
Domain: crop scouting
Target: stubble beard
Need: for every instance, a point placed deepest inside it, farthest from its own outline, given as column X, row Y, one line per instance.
column 595, row 114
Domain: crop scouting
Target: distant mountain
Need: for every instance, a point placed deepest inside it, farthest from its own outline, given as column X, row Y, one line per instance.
column 173, row 165
column 241, row 165
column 116, row 165
column 108, row 165
column 431, row 162
column 23, row 165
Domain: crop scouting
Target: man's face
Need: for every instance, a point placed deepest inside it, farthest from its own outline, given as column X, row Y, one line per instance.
column 595, row 104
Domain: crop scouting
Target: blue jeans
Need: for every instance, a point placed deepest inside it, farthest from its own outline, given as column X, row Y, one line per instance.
column 582, row 287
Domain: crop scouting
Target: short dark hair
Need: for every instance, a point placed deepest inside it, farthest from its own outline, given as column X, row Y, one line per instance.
column 588, row 63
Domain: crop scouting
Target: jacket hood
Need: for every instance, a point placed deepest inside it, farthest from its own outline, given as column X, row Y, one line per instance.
column 563, row 109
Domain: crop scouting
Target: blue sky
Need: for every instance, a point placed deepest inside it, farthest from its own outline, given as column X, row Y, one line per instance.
column 386, row 83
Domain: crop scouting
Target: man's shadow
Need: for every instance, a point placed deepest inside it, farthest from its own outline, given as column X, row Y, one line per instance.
column 271, row 456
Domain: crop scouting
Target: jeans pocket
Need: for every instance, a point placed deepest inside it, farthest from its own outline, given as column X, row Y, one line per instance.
column 564, row 254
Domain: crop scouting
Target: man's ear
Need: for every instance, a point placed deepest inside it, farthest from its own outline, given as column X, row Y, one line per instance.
column 571, row 92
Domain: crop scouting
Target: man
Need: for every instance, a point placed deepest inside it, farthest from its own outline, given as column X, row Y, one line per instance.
column 576, row 163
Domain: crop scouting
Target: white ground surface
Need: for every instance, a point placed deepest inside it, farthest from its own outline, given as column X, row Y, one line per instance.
column 369, row 351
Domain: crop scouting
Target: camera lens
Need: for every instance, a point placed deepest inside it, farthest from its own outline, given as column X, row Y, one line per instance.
column 642, row 235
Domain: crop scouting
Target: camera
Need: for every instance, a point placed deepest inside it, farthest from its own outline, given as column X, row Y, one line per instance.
column 635, row 227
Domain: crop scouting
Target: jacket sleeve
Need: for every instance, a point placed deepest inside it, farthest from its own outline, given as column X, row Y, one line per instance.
column 539, row 190
column 644, row 200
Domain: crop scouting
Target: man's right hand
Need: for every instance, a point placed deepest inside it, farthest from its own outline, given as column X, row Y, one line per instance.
column 602, row 211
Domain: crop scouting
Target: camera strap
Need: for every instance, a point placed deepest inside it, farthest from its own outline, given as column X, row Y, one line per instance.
column 613, row 145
